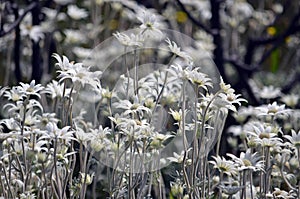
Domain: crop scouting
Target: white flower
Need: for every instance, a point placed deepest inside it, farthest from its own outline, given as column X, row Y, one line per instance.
column 36, row 33
column 176, row 50
column 178, row 158
column 264, row 135
column 44, row 119
column 14, row 94
column 248, row 161
column 76, row 13
column 63, row 64
column 200, row 79
column 132, row 108
column 54, row 132
column 178, row 71
column 272, row 110
column 241, row 9
column 132, row 40
column 176, row 114
column 31, row 89
column 2, row 90
column 81, row 52
column 269, row 92
column 77, row 73
column 150, row 24
column 54, row 89
column 294, row 139
column 290, row 100
column 75, row 36
column 229, row 99
column 224, row 166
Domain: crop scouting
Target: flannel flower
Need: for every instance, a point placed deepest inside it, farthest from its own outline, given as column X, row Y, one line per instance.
column 130, row 41
column 294, row 138
column 149, row 24
column 175, row 49
column 224, row 166
column 77, row 73
column 248, row 161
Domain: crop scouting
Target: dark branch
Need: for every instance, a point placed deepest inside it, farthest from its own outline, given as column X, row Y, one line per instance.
column 17, row 45
column 291, row 84
column 29, row 8
column 241, row 65
column 254, row 43
column 36, row 59
column 192, row 18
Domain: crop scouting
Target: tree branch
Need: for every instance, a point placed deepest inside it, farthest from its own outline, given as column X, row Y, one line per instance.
column 291, row 84
column 192, row 18
column 30, row 7
column 254, row 43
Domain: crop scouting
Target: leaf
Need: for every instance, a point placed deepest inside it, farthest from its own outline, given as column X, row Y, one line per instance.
column 171, row 196
column 275, row 61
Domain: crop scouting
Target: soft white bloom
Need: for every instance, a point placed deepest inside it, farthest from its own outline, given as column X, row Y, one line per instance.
column 45, row 118
column 55, row 89
column 31, row 89
column 76, row 13
column 290, row 100
column 269, row 92
column 175, row 49
column 277, row 7
column 200, row 79
column 178, row 71
column 132, row 40
column 75, row 36
column 248, row 160
column 178, row 158
column 77, row 73
column 158, row 140
column 15, row 94
column 150, row 24
column 2, row 90
column 241, row 9
column 264, row 135
column 36, row 33
column 224, row 166
column 294, row 138
column 63, row 64
column 132, row 108
column 82, row 52
column 272, row 110
column 53, row 16
column 54, row 132
column 176, row 114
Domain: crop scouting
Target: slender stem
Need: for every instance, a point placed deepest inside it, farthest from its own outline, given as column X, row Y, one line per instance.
column 195, row 141
column 7, row 182
column 55, row 169
column 85, row 171
column 136, row 79
column 267, row 168
column 68, row 112
column 127, row 71
column 22, row 141
column 164, row 84
column 184, row 140
column 63, row 103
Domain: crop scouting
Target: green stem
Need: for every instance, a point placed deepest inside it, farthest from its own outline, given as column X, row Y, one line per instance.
column 163, row 85
column 184, row 140
column 195, row 141
column 136, row 80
